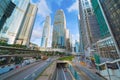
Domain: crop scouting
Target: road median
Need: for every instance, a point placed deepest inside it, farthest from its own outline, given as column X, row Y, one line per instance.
column 48, row 73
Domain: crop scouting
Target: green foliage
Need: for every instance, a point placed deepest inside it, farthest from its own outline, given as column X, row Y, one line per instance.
column 18, row 60
column 3, row 43
column 67, row 58
column 18, row 46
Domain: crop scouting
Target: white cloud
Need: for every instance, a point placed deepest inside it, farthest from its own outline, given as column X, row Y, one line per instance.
column 36, row 35
column 43, row 8
column 58, row 2
column 37, row 32
column 73, row 7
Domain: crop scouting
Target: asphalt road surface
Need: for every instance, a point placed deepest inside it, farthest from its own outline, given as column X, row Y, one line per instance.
column 89, row 74
column 63, row 74
column 26, row 72
column 68, row 75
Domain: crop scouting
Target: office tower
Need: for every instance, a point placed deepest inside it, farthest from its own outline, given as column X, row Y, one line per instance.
column 111, row 11
column 25, row 31
column 6, row 9
column 59, row 26
column 80, row 37
column 45, row 33
column 13, row 23
column 93, row 28
column 68, row 40
column 106, row 45
column 77, row 47
column 85, row 26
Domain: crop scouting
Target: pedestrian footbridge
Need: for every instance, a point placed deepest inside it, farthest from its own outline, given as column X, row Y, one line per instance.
column 110, row 70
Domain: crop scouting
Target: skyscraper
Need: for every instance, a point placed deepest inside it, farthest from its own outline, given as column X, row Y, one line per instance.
column 77, row 47
column 80, row 37
column 68, row 47
column 6, row 9
column 45, row 33
column 106, row 45
column 25, row 31
column 59, row 26
column 15, row 22
column 111, row 10
column 85, row 12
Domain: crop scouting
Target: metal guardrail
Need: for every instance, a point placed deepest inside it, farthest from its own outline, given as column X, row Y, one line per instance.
column 74, row 73
column 34, row 75
column 53, row 77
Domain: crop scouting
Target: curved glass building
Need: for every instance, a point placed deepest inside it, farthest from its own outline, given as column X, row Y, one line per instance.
column 59, row 26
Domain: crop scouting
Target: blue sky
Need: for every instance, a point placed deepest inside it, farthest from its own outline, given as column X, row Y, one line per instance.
column 49, row 7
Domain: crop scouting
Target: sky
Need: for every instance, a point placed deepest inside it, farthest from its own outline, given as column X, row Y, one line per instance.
column 49, row 7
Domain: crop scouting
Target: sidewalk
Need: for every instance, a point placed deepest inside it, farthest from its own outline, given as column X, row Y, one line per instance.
column 91, row 69
column 47, row 74
column 81, row 73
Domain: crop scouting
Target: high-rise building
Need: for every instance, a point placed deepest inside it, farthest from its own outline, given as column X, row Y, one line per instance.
column 13, row 23
column 80, row 37
column 106, row 45
column 77, row 47
column 59, row 26
column 93, row 28
column 86, row 24
column 111, row 10
column 68, row 46
column 6, row 9
column 24, row 34
column 71, row 42
column 45, row 33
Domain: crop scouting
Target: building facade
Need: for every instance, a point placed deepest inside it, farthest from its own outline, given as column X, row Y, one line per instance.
column 111, row 10
column 68, row 43
column 93, row 28
column 25, row 31
column 106, row 45
column 45, row 33
column 77, row 47
column 6, row 9
column 88, row 27
column 59, row 26
column 80, row 37
column 15, row 21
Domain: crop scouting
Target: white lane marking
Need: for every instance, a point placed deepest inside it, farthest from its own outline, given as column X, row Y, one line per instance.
column 34, row 71
column 63, row 73
column 27, row 76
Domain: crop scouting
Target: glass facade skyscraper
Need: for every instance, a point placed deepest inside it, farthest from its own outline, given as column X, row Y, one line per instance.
column 111, row 9
column 59, row 26
column 13, row 23
column 45, row 33
column 25, row 31
column 77, row 47
column 6, row 9
column 106, row 45
column 86, row 23
column 101, row 21
column 80, row 37
column 68, row 46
